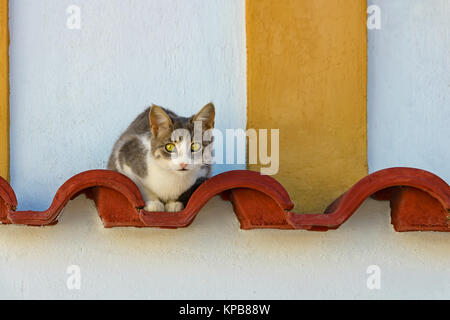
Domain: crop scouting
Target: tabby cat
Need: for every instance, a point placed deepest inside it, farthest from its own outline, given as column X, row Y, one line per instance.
column 159, row 159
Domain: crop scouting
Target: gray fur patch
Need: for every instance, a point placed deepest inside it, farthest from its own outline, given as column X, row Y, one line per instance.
column 133, row 153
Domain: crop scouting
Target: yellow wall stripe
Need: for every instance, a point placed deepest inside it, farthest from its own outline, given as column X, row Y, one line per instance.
column 307, row 77
column 4, row 90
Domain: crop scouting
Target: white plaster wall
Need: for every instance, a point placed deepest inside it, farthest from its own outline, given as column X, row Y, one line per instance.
column 214, row 259
column 74, row 91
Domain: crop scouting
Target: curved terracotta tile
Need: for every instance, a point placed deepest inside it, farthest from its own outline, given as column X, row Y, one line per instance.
column 225, row 181
column 8, row 201
column 79, row 183
column 423, row 183
column 419, row 200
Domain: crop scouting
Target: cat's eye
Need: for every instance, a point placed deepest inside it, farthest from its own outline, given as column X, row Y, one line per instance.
column 195, row 146
column 170, row 147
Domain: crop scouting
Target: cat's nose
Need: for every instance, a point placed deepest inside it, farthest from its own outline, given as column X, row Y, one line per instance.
column 183, row 165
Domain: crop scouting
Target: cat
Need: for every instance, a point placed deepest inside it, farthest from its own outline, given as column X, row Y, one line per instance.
column 159, row 160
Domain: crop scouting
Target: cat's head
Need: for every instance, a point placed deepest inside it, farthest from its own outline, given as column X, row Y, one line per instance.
column 177, row 143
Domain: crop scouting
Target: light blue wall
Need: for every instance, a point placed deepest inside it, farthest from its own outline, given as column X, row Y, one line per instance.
column 409, row 86
column 74, row 91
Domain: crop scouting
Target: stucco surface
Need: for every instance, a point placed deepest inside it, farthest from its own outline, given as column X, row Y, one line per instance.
column 74, row 91
column 409, row 87
column 307, row 77
column 213, row 258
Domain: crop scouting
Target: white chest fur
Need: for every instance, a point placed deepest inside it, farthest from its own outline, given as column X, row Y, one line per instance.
column 169, row 185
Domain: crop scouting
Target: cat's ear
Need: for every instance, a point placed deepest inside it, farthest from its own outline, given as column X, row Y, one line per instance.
column 206, row 116
column 160, row 122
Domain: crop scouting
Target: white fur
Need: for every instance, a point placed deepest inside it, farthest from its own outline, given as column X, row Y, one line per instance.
column 169, row 184
column 163, row 181
column 154, row 206
column 173, row 206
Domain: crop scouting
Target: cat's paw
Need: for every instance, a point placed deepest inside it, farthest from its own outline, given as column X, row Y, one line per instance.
column 154, row 206
column 174, row 206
